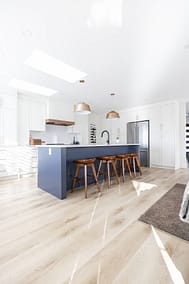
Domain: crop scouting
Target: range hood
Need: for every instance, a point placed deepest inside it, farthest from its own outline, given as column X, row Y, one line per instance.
column 50, row 121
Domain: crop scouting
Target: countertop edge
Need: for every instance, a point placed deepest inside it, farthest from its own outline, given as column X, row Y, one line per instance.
column 85, row 146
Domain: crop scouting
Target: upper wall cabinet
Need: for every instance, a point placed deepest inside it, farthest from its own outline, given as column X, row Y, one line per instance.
column 31, row 116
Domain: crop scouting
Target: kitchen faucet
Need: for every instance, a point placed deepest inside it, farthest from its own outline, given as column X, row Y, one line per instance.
column 106, row 131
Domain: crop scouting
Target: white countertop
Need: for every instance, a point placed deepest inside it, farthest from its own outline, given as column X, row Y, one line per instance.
column 87, row 145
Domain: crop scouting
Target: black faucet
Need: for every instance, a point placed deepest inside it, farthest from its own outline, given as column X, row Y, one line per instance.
column 106, row 131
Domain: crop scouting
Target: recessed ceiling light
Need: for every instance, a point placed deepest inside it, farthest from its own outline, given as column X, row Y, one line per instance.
column 33, row 88
column 52, row 66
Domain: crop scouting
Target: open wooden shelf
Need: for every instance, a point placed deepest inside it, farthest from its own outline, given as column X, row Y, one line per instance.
column 59, row 122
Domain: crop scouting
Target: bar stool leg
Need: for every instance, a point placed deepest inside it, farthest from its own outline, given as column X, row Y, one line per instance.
column 128, row 166
column 123, row 169
column 138, row 165
column 75, row 177
column 94, row 173
column 108, row 168
column 115, row 171
column 85, row 175
column 119, row 166
column 99, row 168
column 134, row 167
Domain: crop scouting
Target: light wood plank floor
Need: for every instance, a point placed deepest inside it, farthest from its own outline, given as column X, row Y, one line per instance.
column 95, row 240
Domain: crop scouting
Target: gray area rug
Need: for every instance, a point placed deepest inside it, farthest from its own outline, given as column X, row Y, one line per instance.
column 164, row 214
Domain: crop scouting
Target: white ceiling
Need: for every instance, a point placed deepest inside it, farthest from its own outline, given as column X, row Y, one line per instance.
column 133, row 48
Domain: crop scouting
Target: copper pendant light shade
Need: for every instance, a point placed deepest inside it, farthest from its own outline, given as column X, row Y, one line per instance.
column 112, row 115
column 82, row 108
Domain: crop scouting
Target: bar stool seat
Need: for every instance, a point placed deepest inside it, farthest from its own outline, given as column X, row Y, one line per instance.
column 85, row 163
column 107, row 160
column 134, row 160
column 124, row 158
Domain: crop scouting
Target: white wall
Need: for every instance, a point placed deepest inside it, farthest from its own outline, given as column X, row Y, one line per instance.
column 58, row 108
column 81, row 128
column 181, row 136
column 8, row 117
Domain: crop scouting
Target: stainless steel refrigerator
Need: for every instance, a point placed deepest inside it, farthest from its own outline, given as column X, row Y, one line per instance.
column 138, row 132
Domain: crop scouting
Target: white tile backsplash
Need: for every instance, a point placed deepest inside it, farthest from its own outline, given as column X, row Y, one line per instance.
column 55, row 134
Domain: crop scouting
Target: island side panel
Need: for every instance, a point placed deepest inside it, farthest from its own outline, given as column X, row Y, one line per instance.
column 50, row 171
column 64, row 172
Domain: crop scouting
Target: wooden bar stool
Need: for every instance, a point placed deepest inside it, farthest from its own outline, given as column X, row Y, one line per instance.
column 134, row 160
column 107, row 160
column 85, row 163
column 124, row 160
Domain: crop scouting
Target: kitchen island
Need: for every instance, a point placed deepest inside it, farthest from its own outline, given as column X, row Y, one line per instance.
column 56, row 168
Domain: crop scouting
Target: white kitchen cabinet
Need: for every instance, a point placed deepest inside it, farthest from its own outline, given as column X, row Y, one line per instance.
column 168, row 135
column 155, row 136
column 31, row 116
column 162, row 135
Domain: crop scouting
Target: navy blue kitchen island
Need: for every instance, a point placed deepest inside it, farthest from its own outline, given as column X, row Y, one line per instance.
column 56, row 168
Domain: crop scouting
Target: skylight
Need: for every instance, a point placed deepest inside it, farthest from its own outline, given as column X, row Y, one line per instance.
column 33, row 88
column 52, row 66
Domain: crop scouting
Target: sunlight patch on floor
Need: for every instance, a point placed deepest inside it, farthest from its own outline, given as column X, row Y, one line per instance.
column 105, row 229
column 175, row 274
column 103, row 245
column 74, row 268
column 98, row 273
column 142, row 186
column 93, row 212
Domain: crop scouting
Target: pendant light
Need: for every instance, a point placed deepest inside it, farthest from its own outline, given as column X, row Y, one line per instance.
column 112, row 114
column 82, row 108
